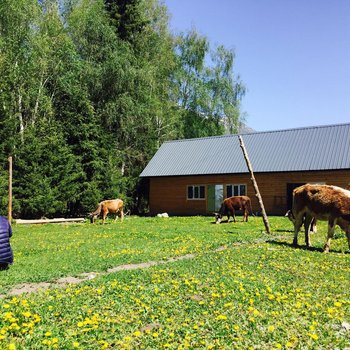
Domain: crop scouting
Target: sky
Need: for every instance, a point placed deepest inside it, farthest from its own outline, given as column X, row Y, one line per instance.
column 293, row 56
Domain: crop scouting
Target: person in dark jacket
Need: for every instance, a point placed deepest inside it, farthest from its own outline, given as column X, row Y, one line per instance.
column 6, row 255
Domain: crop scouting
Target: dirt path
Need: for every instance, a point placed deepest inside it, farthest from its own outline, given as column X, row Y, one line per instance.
column 61, row 282
column 64, row 281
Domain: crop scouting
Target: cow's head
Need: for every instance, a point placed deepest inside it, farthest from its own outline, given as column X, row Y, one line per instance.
column 290, row 215
column 218, row 218
column 93, row 217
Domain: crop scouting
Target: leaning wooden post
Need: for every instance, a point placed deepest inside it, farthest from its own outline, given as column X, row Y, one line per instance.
column 9, row 215
column 255, row 185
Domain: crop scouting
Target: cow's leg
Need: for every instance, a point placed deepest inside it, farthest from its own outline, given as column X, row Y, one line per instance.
column 348, row 235
column 313, row 227
column 246, row 214
column 121, row 215
column 307, row 222
column 233, row 214
column 104, row 215
column 331, row 227
column 297, row 224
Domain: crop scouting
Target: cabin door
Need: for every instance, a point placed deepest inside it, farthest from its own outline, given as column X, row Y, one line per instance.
column 215, row 197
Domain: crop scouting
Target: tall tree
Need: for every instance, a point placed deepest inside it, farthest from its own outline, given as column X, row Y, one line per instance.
column 207, row 92
column 144, row 107
column 128, row 18
column 18, row 70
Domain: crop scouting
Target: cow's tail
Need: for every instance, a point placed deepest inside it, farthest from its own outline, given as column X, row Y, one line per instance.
column 250, row 207
column 293, row 205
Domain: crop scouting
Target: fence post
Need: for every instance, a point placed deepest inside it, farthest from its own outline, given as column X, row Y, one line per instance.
column 9, row 215
column 255, row 185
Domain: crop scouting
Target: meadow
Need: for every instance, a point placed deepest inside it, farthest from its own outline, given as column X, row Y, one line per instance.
column 256, row 292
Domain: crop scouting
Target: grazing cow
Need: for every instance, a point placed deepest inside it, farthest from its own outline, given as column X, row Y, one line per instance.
column 108, row 206
column 321, row 202
column 313, row 224
column 229, row 205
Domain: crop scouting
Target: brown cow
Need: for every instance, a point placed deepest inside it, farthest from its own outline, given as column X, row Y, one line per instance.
column 322, row 202
column 229, row 205
column 108, row 206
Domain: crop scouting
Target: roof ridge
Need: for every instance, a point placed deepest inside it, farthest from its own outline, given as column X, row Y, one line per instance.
column 258, row 132
column 296, row 129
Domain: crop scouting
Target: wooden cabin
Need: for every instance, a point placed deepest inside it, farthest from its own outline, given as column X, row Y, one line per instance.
column 193, row 176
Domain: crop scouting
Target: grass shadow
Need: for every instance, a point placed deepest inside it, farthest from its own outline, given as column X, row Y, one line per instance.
column 304, row 247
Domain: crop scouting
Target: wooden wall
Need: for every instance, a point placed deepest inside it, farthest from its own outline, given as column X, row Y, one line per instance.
column 169, row 194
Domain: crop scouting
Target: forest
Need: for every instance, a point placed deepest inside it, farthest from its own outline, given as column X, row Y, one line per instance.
column 90, row 89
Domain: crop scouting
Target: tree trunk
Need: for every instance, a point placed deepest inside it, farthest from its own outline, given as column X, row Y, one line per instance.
column 20, row 116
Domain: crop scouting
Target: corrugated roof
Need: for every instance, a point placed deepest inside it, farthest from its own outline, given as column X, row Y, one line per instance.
column 312, row 148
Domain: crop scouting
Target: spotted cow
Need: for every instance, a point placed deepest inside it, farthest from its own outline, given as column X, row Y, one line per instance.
column 322, row 202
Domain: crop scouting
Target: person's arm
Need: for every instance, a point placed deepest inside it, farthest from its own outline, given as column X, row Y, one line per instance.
column 10, row 230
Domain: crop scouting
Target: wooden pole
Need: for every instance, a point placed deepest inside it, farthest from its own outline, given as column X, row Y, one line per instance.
column 255, row 185
column 9, row 215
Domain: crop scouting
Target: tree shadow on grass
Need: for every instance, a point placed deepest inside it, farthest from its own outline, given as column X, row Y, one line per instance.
column 222, row 222
column 304, row 247
column 229, row 222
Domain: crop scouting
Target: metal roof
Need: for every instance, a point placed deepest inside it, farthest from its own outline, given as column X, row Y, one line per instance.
column 303, row 149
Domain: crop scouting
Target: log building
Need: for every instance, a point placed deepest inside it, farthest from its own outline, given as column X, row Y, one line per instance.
column 193, row 176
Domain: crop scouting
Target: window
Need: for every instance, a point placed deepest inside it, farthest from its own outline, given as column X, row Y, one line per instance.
column 236, row 190
column 196, row 192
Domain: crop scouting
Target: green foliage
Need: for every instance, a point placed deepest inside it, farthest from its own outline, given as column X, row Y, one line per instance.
column 93, row 88
column 47, row 184
column 208, row 94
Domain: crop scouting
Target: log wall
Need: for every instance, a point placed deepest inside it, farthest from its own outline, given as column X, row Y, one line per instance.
column 169, row 194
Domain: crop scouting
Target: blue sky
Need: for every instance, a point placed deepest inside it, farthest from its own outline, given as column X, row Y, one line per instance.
column 292, row 55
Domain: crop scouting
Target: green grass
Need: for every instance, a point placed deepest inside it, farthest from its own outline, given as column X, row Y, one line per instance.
column 47, row 252
column 254, row 295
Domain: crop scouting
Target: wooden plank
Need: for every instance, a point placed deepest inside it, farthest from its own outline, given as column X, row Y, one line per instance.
column 49, row 221
column 255, row 185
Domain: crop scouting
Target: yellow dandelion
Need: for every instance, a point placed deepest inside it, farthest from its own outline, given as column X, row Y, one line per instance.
column 221, row 317
column 313, row 336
